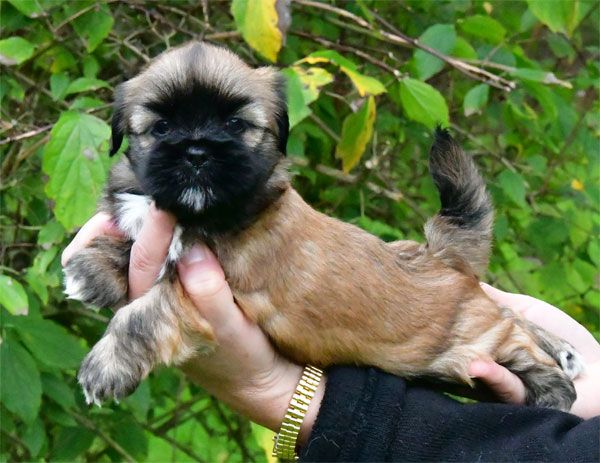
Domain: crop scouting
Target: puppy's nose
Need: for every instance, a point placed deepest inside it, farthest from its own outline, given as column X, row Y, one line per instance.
column 196, row 150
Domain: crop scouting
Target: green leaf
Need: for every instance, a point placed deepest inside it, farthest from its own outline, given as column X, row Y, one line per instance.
column 90, row 66
column 484, row 27
column 356, row 133
column 548, row 232
column 75, row 162
column 51, row 233
column 84, row 84
column 34, row 437
column 86, row 102
column 257, row 22
column 463, row 49
column 441, row 37
column 129, row 435
column 303, row 87
column 476, row 99
column 51, row 344
column 15, row 50
column 58, row 85
column 139, row 401
column 12, row 296
column 560, row 16
column 70, row 443
column 58, row 391
column 297, row 98
column 94, row 26
column 594, row 251
column 20, row 386
column 11, row 88
column 513, row 186
column 30, row 8
column 423, row 103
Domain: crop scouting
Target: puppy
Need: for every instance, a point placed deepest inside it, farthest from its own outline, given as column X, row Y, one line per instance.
column 207, row 137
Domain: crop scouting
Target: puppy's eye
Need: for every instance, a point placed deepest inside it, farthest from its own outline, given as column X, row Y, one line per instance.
column 235, row 125
column 161, row 128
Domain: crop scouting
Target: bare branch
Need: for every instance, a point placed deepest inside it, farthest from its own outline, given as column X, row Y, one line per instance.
column 409, row 42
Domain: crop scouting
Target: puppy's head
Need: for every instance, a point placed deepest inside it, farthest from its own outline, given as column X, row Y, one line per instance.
column 205, row 130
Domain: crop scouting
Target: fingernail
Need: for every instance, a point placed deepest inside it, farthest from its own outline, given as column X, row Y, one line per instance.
column 196, row 254
column 478, row 368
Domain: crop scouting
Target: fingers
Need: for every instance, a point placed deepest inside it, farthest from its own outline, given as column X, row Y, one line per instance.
column 100, row 224
column 204, row 282
column 149, row 251
column 505, row 385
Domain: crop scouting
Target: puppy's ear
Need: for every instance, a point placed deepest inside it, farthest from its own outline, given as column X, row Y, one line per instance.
column 281, row 117
column 118, row 122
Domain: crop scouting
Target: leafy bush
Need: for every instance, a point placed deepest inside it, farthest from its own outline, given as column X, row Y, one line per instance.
column 367, row 81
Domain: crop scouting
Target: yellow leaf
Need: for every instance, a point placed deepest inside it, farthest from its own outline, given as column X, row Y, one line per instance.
column 264, row 438
column 257, row 22
column 356, row 133
column 313, row 78
column 312, row 60
column 577, row 185
column 364, row 84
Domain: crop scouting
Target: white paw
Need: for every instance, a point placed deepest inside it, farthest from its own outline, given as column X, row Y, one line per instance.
column 74, row 287
column 110, row 372
column 571, row 362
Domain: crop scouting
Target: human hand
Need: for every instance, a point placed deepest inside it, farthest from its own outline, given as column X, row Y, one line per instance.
column 244, row 371
column 509, row 388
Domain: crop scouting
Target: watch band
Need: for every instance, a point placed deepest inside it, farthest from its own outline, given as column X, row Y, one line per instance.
column 285, row 440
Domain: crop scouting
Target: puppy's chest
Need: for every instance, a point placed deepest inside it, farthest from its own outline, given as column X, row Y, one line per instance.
column 130, row 210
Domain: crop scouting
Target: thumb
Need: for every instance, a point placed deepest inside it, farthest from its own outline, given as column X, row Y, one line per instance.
column 204, row 282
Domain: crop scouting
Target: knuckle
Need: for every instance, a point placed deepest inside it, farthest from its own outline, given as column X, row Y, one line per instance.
column 143, row 260
column 211, row 284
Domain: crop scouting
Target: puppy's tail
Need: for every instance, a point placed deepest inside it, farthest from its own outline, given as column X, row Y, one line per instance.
column 461, row 232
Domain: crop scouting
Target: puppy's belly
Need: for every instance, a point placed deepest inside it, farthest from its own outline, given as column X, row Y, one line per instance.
column 327, row 334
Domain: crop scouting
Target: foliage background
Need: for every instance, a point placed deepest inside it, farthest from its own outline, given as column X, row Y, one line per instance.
column 363, row 98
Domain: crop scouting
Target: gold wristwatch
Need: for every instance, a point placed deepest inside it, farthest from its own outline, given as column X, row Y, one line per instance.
column 285, row 440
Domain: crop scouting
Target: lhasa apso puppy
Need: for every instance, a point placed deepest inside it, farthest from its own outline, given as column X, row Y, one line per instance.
column 207, row 138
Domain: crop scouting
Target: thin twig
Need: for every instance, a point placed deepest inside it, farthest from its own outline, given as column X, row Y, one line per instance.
column 404, row 40
column 324, row 127
column 29, row 134
column 89, row 424
column 349, row 49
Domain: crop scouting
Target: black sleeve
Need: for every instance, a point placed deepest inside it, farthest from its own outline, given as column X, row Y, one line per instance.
column 368, row 415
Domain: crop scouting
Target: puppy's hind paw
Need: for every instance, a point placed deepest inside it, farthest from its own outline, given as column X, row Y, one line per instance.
column 571, row 361
column 107, row 373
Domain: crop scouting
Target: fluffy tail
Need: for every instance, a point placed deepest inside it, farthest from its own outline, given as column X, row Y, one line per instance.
column 461, row 232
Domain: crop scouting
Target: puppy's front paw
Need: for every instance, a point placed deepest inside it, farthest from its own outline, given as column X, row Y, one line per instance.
column 97, row 275
column 110, row 371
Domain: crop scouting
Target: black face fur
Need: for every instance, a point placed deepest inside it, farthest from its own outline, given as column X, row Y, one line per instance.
column 201, row 160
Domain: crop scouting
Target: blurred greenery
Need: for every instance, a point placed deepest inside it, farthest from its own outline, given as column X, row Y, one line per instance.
column 516, row 81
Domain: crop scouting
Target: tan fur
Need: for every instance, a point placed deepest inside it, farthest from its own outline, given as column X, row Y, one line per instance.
column 328, row 292
column 215, row 65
